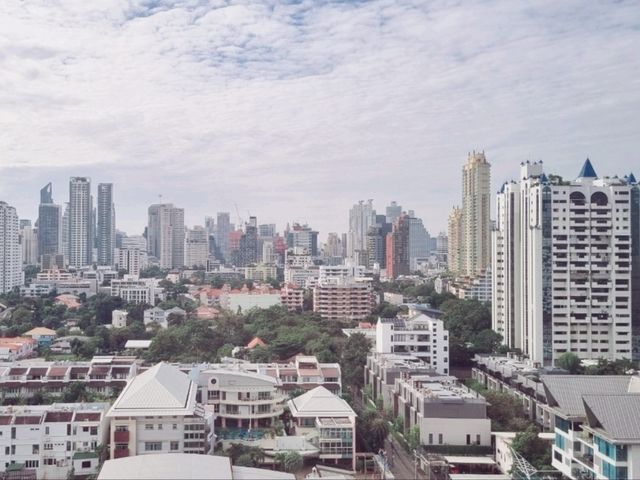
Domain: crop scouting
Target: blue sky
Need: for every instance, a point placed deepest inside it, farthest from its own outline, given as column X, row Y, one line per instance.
column 296, row 110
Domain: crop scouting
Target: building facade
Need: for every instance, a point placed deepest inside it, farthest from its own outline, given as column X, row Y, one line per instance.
column 10, row 251
column 454, row 238
column 166, row 235
column 80, row 235
column 196, row 247
column 106, row 233
column 476, row 214
column 398, row 248
column 49, row 224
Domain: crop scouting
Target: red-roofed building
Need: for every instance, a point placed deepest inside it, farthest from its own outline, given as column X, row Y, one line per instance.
column 14, row 348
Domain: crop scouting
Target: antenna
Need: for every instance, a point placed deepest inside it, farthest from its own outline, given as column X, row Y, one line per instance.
column 160, row 197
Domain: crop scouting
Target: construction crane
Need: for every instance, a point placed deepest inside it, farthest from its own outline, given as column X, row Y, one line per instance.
column 240, row 222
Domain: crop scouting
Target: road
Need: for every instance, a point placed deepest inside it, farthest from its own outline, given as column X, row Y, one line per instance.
column 400, row 462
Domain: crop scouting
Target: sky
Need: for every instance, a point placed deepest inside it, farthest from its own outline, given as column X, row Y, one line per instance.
column 294, row 111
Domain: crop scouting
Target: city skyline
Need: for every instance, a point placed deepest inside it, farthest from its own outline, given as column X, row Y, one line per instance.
column 260, row 104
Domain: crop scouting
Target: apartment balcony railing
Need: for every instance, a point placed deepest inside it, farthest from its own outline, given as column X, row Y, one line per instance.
column 120, row 452
column 121, row 436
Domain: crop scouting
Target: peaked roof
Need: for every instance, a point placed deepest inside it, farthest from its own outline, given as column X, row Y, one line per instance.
column 255, row 341
column 632, row 178
column 587, row 170
column 320, row 402
column 161, row 390
column 40, row 331
column 616, row 415
column 565, row 392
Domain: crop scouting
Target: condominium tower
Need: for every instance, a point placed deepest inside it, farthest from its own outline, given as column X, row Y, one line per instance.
column 10, row 251
column 476, row 211
column 454, row 237
column 49, row 224
column 562, row 264
column 106, row 234
column 361, row 217
column 80, row 222
column 165, row 235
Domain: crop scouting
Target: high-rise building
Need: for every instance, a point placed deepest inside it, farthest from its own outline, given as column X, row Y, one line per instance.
column 248, row 245
column 454, row 249
column 267, row 230
column 106, row 233
column 223, row 229
column 80, row 222
column 49, row 224
column 418, row 242
column 361, row 217
column 303, row 236
column 442, row 249
column 196, row 247
column 398, row 248
column 393, row 211
column 476, row 214
column 165, row 235
column 10, row 252
column 210, row 225
column 66, row 252
column 333, row 247
column 28, row 243
column 562, row 265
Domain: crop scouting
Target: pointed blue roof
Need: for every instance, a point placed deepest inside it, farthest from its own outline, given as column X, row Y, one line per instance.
column 543, row 178
column 632, row 178
column 587, row 170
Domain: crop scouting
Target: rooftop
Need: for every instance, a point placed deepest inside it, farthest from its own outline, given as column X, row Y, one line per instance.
column 616, row 415
column 320, row 402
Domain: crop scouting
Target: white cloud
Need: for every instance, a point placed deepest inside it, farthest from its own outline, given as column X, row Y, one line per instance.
column 297, row 110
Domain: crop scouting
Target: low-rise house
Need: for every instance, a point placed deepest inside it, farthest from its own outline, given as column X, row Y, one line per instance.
column 328, row 422
column 160, row 317
column 15, row 348
column 68, row 300
column 119, row 318
column 44, row 336
column 157, row 412
column 54, row 440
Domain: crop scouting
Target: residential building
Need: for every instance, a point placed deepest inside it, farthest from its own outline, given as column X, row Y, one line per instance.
column 80, row 237
column 119, row 318
column 196, row 247
column 361, row 216
column 10, row 252
column 49, row 224
column 106, row 233
column 160, row 317
column 44, row 336
column 442, row 249
column 479, row 287
column 597, row 433
column 14, row 348
column 398, row 248
column 292, row 297
column 261, row 272
column 267, row 230
column 343, row 298
column 334, row 247
column 53, row 441
column 166, row 235
column 419, row 335
column 184, row 466
column 476, row 214
column 454, row 237
column 303, row 236
column 136, row 290
column 328, row 422
column 157, row 413
column 133, row 260
column 299, row 268
column 29, row 243
column 563, row 265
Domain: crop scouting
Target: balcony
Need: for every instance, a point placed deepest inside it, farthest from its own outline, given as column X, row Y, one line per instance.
column 121, row 436
column 120, row 452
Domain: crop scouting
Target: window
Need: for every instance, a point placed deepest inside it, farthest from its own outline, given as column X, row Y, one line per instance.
column 86, row 464
column 478, row 440
column 152, row 446
column 46, row 430
column 148, row 426
column 563, row 424
column 175, row 446
column 175, row 426
column 557, row 455
column 468, row 439
column 440, row 438
column 559, row 442
column 431, row 439
column 35, row 449
column 159, row 426
column 94, row 431
column 48, row 446
column 32, row 464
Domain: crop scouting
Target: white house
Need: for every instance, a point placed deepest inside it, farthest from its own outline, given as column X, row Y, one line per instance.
column 119, row 318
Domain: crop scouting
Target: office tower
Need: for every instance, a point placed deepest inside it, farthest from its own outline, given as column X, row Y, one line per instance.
column 106, row 229
column 120, row 236
column 28, row 243
column 418, row 242
column 398, row 248
column 248, row 245
column 223, row 229
column 80, row 222
column 65, row 234
column 10, row 252
column 376, row 247
column 442, row 248
column 267, row 230
column 393, row 211
column 476, row 211
column 165, row 235
column 196, row 247
column 303, row 236
column 333, row 247
column 361, row 217
column 210, row 225
column 49, row 224
column 562, row 264
column 454, row 236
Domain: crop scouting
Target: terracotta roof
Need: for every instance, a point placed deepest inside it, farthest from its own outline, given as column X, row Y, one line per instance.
column 56, row 417
column 256, row 341
column 17, row 371
column 58, row 371
column 5, row 419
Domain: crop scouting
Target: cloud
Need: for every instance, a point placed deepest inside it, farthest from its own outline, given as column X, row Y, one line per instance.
column 295, row 110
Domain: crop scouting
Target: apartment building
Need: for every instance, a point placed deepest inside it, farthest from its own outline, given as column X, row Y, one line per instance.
column 292, row 297
column 52, row 441
column 261, row 272
column 419, row 335
column 160, row 317
column 137, row 290
column 157, row 412
column 563, row 255
column 343, row 299
column 597, row 434
column 10, row 251
column 327, row 422
column 15, row 348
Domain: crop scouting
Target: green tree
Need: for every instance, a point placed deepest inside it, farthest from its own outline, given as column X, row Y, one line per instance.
column 570, row 362
column 413, row 437
column 536, row 451
column 292, row 461
column 353, row 360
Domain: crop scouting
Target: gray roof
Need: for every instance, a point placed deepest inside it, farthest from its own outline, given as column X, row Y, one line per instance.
column 617, row 415
column 565, row 392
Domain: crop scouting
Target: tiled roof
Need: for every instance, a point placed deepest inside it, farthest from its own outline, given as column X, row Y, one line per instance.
column 617, row 415
column 565, row 392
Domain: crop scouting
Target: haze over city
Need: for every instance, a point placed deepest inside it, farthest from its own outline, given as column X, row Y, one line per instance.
column 295, row 111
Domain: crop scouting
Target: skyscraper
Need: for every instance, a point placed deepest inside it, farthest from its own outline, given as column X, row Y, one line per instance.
column 476, row 214
column 80, row 222
column 454, row 250
column 393, row 211
column 10, row 251
column 248, row 245
column 303, row 236
column 562, row 265
column 398, row 248
column 49, row 224
column 223, row 229
column 361, row 217
column 165, row 235
column 106, row 234
column 418, row 242
column 196, row 247
column 28, row 243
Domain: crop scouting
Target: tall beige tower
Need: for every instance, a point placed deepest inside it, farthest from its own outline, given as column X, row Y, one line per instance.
column 454, row 254
column 476, row 211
